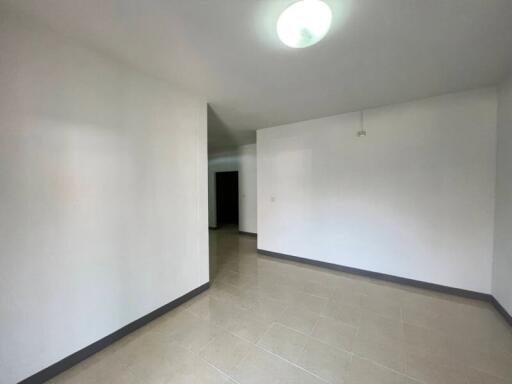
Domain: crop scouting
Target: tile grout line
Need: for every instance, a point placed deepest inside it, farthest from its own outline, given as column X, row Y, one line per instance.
column 388, row 368
column 198, row 355
column 230, row 377
column 315, row 338
column 270, row 352
column 292, row 363
column 307, row 341
column 311, row 337
column 351, row 353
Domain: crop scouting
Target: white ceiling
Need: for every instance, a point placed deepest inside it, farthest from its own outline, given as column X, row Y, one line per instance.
column 378, row 52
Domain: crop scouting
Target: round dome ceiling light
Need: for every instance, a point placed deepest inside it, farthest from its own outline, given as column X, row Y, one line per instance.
column 304, row 23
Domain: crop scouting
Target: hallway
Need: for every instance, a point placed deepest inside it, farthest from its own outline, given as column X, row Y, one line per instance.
column 270, row 321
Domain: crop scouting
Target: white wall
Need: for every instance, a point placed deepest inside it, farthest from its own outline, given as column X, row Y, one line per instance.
column 247, row 188
column 242, row 160
column 414, row 198
column 102, row 196
column 502, row 281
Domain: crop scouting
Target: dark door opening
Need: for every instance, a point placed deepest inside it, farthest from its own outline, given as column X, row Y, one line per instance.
column 226, row 192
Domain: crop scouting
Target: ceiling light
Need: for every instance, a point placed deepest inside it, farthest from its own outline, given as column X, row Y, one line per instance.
column 304, row 23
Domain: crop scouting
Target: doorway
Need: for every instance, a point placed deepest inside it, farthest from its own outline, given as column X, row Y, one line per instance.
column 226, row 192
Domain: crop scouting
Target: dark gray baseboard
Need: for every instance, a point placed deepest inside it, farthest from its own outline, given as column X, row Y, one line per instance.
column 213, row 228
column 396, row 279
column 68, row 362
column 382, row 276
column 501, row 309
column 252, row 234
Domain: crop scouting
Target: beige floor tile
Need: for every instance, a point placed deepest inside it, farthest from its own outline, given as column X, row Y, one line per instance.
column 283, row 341
column 431, row 312
column 196, row 334
column 495, row 362
column 200, row 305
column 155, row 365
column 276, row 290
column 381, row 329
column 345, row 313
column 433, row 369
column 312, row 303
column 421, row 338
column 324, row 361
column 335, row 333
column 171, row 323
column 236, row 279
column 260, row 366
column 298, row 376
column 196, row 371
column 229, row 294
column 87, row 377
column 385, row 290
column 225, row 352
column 299, row 319
column 389, row 354
column 363, row 371
column 382, row 305
column 478, row 377
column 267, row 310
column 381, row 339
column 215, row 310
column 247, row 327
column 503, row 340
column 347, row 297
column 320, row 289
column 226, row 315
column 146, row 347
column 104, row 367
column 350, row 284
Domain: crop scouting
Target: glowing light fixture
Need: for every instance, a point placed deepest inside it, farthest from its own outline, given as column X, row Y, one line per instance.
column 304, row 23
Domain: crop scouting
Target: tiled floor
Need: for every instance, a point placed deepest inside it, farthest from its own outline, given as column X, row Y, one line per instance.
column 275, row 322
